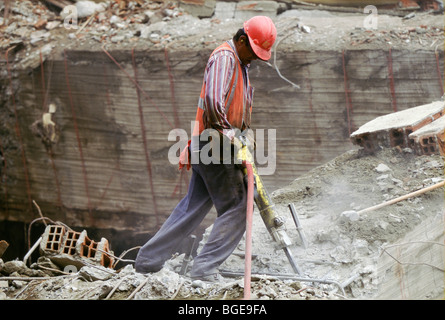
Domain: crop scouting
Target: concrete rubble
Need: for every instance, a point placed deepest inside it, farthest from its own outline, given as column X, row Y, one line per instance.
column 377, row 255
column 32, row 28
column 70, row 248
column 354, row 256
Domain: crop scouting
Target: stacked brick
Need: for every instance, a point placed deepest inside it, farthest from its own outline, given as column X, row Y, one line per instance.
column 430, row 138
column 420, row 128
column 70, row 248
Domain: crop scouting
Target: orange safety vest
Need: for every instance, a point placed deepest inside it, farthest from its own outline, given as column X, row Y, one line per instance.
column 236, row 103
column 238, row 107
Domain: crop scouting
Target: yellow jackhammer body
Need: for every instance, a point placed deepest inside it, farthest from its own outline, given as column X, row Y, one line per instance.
column 273, row 222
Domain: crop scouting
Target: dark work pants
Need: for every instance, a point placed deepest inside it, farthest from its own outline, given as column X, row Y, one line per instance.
column 221, row 185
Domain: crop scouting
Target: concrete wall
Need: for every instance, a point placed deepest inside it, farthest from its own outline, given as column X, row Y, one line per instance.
column 107, row 164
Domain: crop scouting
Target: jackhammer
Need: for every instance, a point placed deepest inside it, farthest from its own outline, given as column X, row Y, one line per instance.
column 274, row 223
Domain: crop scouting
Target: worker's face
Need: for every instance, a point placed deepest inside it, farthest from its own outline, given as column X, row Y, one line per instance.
column 245, row 51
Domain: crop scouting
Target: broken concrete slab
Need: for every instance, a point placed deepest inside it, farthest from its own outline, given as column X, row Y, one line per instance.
column 414, row 117
column 225, row 10
column 248, row 9
column 96, row 273
column 198, row 8
column 393, row 130
column 19, row 268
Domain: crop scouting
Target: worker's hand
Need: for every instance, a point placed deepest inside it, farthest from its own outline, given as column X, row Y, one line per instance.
column 184, row 158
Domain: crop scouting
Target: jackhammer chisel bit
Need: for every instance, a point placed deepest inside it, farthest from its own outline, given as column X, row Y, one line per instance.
column 298, row 225
column 188, row 256
column 274, row 224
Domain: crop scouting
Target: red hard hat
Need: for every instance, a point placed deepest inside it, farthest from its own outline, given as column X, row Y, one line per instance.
column 262, row 33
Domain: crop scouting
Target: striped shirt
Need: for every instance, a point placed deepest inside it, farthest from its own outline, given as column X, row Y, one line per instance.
column 218, row 75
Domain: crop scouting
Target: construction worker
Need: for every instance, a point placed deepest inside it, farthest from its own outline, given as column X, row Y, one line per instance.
column 224, row 106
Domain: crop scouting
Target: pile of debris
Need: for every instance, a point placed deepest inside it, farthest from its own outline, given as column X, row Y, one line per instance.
column 68, row 248
column 352, row 249
column 407, row 35
column 34, row 29
column 44, row 280
column 344, row 258
column 34, row 32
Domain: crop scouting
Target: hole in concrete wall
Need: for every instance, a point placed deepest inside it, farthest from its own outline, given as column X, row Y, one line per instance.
column 397, row 136
column 70, row 243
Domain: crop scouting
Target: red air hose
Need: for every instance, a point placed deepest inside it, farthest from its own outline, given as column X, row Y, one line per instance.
column 249, row 218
